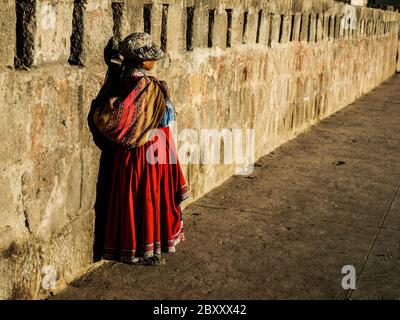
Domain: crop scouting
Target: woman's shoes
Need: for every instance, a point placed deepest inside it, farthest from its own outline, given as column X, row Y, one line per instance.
column 133, row 260
column 156, row 260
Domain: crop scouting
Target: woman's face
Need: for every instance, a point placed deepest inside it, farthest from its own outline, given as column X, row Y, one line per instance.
column 148, row 65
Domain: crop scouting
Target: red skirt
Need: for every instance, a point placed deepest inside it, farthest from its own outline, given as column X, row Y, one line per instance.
column 144, row 215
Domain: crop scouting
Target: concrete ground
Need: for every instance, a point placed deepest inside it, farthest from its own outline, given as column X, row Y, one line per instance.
column 326, row 199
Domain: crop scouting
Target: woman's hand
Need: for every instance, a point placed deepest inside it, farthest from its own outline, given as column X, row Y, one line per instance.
column 110, row 103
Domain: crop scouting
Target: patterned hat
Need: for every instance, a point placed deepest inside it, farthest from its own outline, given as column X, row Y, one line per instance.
column 139, row 46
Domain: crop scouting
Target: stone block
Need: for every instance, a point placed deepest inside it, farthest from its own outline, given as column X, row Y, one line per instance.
column 176, row 26
column 220, row 28
column 53, row 31
column 7, row 33
column 92, row 30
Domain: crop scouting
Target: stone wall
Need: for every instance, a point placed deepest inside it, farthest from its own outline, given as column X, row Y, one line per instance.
column 278, row 67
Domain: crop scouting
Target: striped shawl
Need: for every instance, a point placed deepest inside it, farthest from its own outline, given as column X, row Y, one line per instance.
column 138, row 109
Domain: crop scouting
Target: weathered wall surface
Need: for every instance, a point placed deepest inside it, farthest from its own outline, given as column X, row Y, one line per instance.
column 285, row 68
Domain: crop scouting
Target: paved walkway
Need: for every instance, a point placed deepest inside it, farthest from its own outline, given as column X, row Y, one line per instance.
column 327, row 199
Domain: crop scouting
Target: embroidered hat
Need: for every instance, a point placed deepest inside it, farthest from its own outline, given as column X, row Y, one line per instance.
column 139, row 46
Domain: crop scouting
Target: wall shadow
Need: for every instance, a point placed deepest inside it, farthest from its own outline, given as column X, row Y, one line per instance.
column 103, row 187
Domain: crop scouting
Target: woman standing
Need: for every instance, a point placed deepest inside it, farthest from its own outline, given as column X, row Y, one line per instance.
column 144, row 214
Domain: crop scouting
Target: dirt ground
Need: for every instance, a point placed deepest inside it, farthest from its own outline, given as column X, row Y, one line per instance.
column 326, row 199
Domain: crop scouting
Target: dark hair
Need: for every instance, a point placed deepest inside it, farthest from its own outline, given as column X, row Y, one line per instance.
column 129, row 64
